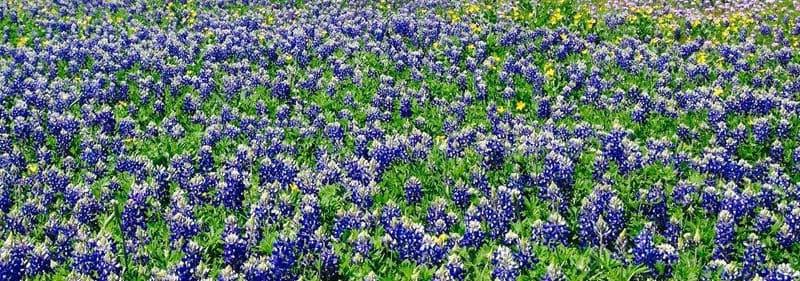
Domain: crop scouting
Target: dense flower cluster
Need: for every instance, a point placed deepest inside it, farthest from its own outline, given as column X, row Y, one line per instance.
column 399, row 140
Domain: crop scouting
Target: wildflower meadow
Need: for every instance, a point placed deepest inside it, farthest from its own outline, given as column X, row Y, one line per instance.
column 180, row 140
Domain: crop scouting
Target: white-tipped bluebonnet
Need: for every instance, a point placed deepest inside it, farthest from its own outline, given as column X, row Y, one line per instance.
column 505, row 266
column 725, row 233
column 553, row 231
column 413, row 191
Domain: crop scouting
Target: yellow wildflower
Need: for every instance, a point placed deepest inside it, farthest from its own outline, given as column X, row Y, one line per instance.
column 701, row 58
column 520, row 105
column 501, row 109
column 441, row 239
column 473, row 8
column 33, row 168
column 718, row 91
column 549, row 72
column 22, row 41
column 474, row 27
column 556, row 16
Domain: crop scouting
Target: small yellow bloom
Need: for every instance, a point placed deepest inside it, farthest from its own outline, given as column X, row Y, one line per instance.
column 289, row 58
column 293, row 187
column 549, row 72
column 473, row 8
column 474, row 27
column 441, row 239
column 556, row 16
column 718, row 91
column 701, row 58
column 520, row 105
column 501, row 109
column 440, row 138
column 454, row 16
column 33, row 168
column 22, row 41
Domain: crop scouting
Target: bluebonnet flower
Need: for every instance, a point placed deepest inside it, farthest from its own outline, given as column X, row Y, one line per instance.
column 187, row 268
column 683, row 194
column 493, row 151
column 232, row 188
column 180, row 219
column 505, row 266
column 792, row 219
column 644, row 248
column 753, row 258
column 729, row 271
column 785, row 236
column 39, row 261
column 197, row 188
column 724, row 235
column 761, row 130
column 559, row 169
column 13, row 258
column 329, row 269
column 133, row 216
column 205, row 161
column 310, row 216
column 672, row 231
column 764, row 221
column 335, row 132
column 500, row 211
column 362, row 246
column 405, row 238
column 86, row 209
column 96, row 257
column 781, row 272
column 668, row 256
column 228, row 274
column 553, row 273
column 361, row 194
column 552, row 232
column 282, row 169
column 283, row 258
column 453, row 270
column 523, row 252
column 655, row 206
column 234, row 250
column 413, row 191
column 461, row 195
column 435, row 248
column 473, row 235
column 479, row 180
column 709, row 200
column 439, row 221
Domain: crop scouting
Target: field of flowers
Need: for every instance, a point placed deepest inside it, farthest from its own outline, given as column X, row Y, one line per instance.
column 401, row 140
